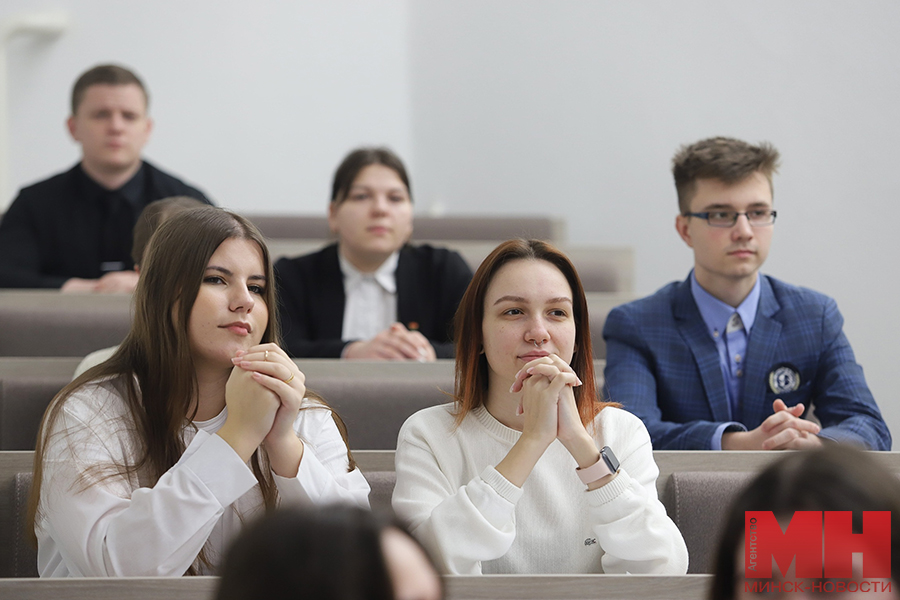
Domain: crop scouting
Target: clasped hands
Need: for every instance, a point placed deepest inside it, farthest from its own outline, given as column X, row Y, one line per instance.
column 550, row 413
column 783, row 430
column 394, row 343
column 263, row 395
column 548, row 399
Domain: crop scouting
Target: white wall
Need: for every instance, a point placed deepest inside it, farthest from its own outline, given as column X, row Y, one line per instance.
column 255, row 102
column 570, row 107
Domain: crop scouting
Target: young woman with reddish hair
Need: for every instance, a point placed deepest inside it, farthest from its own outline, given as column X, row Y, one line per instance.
column 528, row 471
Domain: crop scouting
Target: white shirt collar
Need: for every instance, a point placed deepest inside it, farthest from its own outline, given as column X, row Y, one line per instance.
column 385, row 275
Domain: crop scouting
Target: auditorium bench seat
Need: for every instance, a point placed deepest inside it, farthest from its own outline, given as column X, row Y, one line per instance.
column 382, row 484
column 50, row 323
column 17, row 557
column 697, row 502
column 23, row 400
column 599, row 305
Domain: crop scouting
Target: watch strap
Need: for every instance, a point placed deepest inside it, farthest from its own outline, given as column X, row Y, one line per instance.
column 596, row 471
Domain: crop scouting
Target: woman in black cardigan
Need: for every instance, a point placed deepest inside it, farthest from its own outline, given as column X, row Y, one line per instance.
column 371, row 295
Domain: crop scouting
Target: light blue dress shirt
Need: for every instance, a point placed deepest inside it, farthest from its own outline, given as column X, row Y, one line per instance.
column 729, row 328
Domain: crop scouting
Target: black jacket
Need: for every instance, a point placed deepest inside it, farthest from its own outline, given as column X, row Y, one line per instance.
column 59, row 228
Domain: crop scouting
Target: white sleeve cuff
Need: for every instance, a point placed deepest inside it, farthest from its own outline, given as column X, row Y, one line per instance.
column 218, row 467
column 504, row 488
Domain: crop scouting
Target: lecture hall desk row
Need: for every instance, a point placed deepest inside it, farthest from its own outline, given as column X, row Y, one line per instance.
column 374, row 398
column 489, row 587
column 49, row 323
column 601, row 268
column 473, row 228
column 495, row 228
column 695, row 487
column 18, row 558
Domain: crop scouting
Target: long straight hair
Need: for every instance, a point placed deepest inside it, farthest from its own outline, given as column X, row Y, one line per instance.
column 154, row 365
column 471, row 363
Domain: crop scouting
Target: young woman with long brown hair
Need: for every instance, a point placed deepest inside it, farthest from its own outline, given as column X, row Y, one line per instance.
column 148, row 463
column 528, row 471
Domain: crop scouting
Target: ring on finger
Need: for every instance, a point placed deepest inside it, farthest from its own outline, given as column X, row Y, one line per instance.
column 266, row 356
column 289, row 379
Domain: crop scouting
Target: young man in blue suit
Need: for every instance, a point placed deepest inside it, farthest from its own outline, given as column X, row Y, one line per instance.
column 730, row 359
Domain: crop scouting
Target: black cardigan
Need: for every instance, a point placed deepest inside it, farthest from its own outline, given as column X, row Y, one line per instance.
column 430, row 283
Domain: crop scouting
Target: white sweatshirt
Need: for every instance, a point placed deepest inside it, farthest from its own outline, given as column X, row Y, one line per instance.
column 92, row 526
column 475, row 521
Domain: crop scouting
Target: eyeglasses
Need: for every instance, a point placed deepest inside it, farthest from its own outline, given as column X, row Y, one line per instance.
column 759, row 217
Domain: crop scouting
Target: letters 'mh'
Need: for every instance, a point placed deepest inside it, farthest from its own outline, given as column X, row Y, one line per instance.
column 816, row 548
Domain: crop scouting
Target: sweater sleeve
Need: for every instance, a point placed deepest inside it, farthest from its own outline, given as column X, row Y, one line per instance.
column 631, row 524
column 324, row 474
column 460, row 527
column 103, row 523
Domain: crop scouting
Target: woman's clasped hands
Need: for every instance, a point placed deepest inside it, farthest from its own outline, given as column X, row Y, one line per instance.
column 263, row 395
column 548, row 400
column 550, row 411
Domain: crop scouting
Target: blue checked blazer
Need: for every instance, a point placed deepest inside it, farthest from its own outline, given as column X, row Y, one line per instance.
column 662, row 365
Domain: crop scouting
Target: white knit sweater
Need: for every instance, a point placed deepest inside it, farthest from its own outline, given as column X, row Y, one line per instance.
column 476, row 521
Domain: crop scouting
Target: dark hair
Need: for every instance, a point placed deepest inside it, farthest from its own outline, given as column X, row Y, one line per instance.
column 154, row 215
column 726, row 159
column 833, row 478
column 105, row 75
column 327, row 553
column 471, row 364
column 358, row 160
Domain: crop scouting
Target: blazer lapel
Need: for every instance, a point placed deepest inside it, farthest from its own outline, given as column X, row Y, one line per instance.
column 760, row 354
column 696, row 336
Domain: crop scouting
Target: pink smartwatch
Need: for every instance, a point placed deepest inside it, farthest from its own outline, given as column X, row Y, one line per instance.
column 607, row 465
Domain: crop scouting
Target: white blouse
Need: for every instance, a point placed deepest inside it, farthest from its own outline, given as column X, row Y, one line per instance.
column 370, row 299
column 96, row 522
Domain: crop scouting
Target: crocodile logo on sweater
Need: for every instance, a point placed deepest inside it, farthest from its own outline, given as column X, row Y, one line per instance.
column 590, row 541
